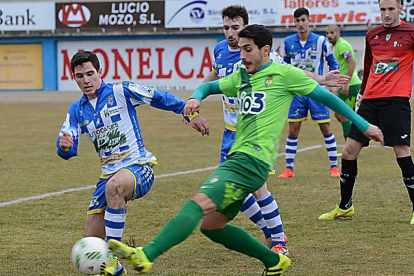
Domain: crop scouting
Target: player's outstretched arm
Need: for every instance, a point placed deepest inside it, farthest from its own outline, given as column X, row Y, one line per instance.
column 332, row 78
column 323, row 96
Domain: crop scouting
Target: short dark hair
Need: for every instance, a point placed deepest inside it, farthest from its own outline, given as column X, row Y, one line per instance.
column 235, row 11
column 259, row 33
column 301, row 11
column 84, row 56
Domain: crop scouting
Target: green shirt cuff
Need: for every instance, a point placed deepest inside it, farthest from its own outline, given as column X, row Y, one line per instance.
column 333, row 102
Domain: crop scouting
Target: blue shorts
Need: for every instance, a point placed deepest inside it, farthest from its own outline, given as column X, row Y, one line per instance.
column 299, row 107
column 144, row 178
column 228, row 139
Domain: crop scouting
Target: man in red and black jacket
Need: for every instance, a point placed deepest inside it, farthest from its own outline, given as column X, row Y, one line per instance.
column 386, row 92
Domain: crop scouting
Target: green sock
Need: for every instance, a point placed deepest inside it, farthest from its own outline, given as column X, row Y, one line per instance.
column 175, row 231
column 345, row 128
column 235, row 238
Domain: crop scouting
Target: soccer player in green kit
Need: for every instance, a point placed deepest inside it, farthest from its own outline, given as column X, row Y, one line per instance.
column 345, row 56
column 265, row 90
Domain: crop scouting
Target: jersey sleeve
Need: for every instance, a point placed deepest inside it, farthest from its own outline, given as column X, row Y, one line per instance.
column 344, row 50
column 297, row 81
column 214, row 66
column 72, row 126
column 286, row 56
column 329, row 56
column 229, row 85
column 156, row 98
column 368, row 59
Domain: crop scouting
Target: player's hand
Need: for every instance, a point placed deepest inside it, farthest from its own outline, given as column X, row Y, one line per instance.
column 200, row 124
column 65, row 141
column 191, row 106
column 333, row 78
column 345, row 90
column 374, row 133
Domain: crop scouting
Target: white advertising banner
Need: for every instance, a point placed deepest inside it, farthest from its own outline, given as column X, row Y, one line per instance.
column 27, row 16
column 173, row 64
column 201, row 14
column 325, row 12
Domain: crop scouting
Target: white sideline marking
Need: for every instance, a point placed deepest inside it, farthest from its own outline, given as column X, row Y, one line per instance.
column 17, row 201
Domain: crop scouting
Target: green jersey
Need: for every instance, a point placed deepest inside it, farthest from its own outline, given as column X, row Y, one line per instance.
column 342, row 52
column 264, row 99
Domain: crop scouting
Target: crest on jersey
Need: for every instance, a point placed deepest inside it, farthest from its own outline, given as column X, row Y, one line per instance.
column 110, row 100
column 269, row 81
column 388, row 37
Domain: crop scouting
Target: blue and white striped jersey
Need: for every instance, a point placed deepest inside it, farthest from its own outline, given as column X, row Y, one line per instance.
column 225, row 62
column 309, row 57
column 112, row 124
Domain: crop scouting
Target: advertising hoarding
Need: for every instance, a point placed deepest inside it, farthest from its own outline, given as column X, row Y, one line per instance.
column 27, row 16
column 173, row 64
column 111, row 15
column 21, row 67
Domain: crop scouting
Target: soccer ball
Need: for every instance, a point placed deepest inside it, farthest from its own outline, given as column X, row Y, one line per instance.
column 88, row 254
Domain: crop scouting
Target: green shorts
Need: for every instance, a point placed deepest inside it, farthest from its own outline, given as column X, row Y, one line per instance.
column 229, row 184
column 350, row 100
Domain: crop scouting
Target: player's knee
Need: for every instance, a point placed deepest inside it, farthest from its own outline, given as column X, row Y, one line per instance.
column 325, row 128
column 348, row 153
column 114, row 188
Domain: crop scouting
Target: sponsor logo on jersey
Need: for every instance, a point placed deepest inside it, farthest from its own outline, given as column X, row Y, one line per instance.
column 107, row 138
column 231, row 108
column 252, row 104
column 269, row 81
column 111, row 112
column 386, row 66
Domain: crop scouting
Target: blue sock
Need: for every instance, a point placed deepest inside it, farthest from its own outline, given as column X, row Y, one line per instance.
column 114, row 228
column 251, row 210
column 291, row 149
column 271, row 216
column 330, row 145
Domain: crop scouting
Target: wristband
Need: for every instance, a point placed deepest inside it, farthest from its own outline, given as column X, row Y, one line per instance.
column 193, row 115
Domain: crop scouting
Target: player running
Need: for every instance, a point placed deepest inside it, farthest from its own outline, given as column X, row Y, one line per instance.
column 260, row 207
column 106, row 114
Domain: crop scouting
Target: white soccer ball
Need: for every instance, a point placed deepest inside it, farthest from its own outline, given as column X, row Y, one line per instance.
column 88, row 254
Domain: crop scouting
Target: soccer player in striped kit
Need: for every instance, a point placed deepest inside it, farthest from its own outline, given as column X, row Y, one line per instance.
column 106, row 115
column 307, row 51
